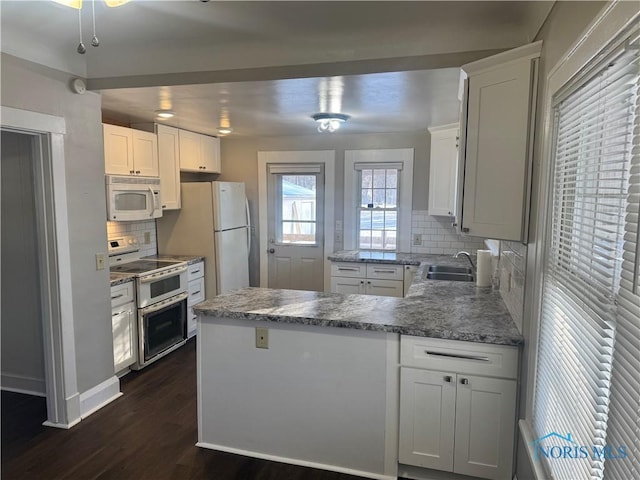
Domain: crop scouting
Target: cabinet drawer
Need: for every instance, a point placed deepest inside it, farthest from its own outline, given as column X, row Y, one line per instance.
column 385, row 271
column 342, row 269
column 195, row 271
column 388, row 288
column 121, row 294
column 196, row 291
column 461, row 357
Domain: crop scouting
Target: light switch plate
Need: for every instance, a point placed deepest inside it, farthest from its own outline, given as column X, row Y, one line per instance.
column 338, row 225
column 100, row 261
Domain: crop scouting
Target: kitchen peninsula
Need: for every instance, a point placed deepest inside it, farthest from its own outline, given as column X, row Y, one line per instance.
column 314, row 378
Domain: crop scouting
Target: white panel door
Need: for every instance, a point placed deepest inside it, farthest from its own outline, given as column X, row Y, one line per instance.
column 145, row 153
column 118, row 150
column 210, row 150
column 485, row 427
column 497, row 152
column 427, row 418
column 443, row 164
column 169, row 167
column 232, row 260
column 229, row 205
column 190, row 151
column 123, row 324
column 295, row 195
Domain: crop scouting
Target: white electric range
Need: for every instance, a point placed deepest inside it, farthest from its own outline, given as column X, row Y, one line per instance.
column 161, row 298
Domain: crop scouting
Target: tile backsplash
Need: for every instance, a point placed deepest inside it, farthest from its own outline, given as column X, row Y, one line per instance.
column 438, row 236
column 512, row 269
column 139, row 229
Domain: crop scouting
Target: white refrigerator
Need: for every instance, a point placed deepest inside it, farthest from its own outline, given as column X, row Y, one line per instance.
column 214, row 223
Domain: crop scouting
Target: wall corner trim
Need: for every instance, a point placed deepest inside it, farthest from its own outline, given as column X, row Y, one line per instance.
column 97, row 397
column 526, row 436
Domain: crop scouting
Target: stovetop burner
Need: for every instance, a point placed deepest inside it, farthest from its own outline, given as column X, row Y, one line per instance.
column 141, row 266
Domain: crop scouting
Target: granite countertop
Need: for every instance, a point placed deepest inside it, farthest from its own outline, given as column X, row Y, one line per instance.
column 120, row 278
column 432, row 308
column 190, row 259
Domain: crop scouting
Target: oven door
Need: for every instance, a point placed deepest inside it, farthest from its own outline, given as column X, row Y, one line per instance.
column 161, row 286
column 162, row 327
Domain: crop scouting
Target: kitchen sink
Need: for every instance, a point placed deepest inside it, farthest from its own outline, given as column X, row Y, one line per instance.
column 449, row 269
column 446, row 272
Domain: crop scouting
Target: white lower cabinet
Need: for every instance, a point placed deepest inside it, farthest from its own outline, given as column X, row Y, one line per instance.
column 367, row 279
column 195, row 284
column 123, row 324
column 457, row 419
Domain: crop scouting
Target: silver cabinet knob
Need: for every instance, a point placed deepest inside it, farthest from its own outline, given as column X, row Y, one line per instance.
column 464, row 381
column 448, row 378
column 465, row 230
column 272, row 250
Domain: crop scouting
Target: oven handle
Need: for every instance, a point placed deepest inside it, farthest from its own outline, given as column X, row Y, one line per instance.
column 170, row 273
column 164, row 303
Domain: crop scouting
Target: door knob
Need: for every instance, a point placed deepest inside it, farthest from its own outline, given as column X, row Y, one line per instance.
column 272, row 250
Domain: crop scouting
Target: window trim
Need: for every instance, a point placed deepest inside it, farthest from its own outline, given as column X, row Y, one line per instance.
column 351, row 196
column 596, row 41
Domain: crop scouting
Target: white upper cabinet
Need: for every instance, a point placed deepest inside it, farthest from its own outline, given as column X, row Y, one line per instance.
column 498, row 115
column 443, row 163
column 169, row 158
column 199, row 153
column 130, row 152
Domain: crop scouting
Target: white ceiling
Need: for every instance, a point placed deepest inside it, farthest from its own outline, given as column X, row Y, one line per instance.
column 382, row 60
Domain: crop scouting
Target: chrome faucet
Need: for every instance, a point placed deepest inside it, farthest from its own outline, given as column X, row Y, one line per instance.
column 468, row 255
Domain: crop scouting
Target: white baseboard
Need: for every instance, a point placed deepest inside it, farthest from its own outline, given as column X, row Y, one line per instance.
column 97, row 397
column 63, row 426
column 295, row 461
column 23, row 384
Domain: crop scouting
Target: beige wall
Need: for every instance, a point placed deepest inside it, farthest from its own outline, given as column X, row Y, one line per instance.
column 32, row 87
column 561, row 30
column 240, row 164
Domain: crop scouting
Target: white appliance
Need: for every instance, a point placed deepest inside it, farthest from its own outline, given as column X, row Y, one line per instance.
column 132, row 198
column 161, row 298
column 214, row 223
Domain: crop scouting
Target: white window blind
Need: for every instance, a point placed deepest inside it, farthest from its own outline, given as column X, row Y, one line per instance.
column 582, row 322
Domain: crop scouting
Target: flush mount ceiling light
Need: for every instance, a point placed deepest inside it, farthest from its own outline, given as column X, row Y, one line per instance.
column 225, row 130
column 77, row 4
column 165, row 114
column 329, row 122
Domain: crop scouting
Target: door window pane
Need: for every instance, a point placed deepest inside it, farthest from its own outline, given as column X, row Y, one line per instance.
column 378, row 215
column 298, row 209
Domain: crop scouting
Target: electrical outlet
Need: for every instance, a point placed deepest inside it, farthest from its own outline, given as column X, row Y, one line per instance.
column 338, row 225
column 147, row 238
column 338, row 237
column 417, row 239
column 99, row 261
column 262, row 337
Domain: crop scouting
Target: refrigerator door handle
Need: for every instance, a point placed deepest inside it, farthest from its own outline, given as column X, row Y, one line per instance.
column 246, row 204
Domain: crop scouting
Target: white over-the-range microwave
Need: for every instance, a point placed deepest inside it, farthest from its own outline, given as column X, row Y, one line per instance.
column 133, row 198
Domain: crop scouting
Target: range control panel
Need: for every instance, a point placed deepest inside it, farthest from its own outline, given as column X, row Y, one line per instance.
column 123, row 244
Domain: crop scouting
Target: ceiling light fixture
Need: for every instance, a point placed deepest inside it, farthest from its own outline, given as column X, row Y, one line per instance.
column 225, row 130
column 329, row 122
column 77, row 4
column 165, row 114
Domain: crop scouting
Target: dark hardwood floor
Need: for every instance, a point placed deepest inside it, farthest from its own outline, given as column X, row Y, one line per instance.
column 149, row 433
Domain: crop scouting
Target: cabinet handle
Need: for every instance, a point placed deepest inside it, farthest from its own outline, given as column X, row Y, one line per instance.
column 345, row 269
column 448, row 378
column 196, row 271
column 117, row 296
column 131, row 171
column 464, row 381
column 465, row 230
column 369, row 283
column 164, row 206
column 137, row 172
column 454, row 224
column 196, row 293
column 361, row 282
column 454, row 355
column 384, row 271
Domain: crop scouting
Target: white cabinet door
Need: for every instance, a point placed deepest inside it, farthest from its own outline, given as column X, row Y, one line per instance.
column 495, row 192
column 190, row 151
column 123, row 323
column 169, row 165
column 210, row 148
column 118, row 150
column 196, row 295
column 145, row 153
column 389, row 288
column 443, row 163
column 485, row 427
column 427, row 418
column 347, row 285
